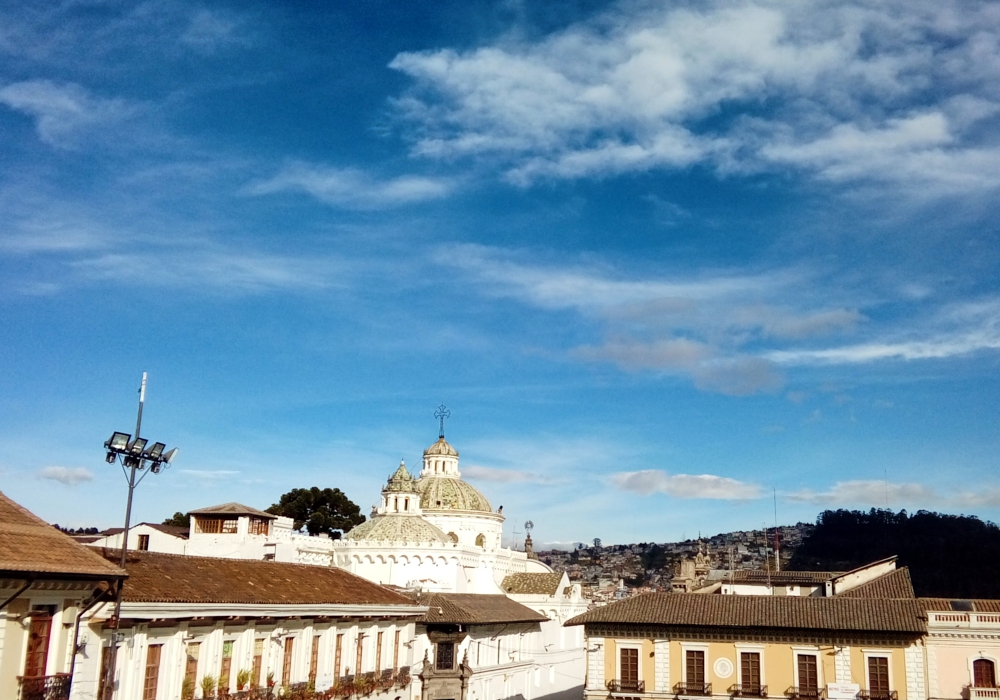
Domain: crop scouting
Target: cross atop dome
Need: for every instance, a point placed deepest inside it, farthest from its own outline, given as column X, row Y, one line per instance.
column 441, row 414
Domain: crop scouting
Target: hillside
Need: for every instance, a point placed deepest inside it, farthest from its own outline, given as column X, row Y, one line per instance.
column 950, row 556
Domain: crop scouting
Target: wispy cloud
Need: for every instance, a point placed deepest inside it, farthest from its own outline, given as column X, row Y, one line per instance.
column 71, row 476
column 868, row 492
column 65, row 113
column 651, row 481
column 784, row 85
column 211, row 31
column 351, row 188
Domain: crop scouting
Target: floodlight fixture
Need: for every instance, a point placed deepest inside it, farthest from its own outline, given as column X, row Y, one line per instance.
column 137, row 446
column 111, row 457
column 168, row 456
column 155, row 451
column 118, row 442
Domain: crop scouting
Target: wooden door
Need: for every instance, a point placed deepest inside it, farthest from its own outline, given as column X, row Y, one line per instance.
column 38, row 644
column 983, row 674
column 808, row 675
column 750, row 672
column 629, row 659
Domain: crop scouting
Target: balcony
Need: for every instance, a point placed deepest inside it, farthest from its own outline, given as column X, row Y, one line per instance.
column 878, row 695
column 44, row 687
column 798, row 693
column 748, row 691
column 693, row 689
column 984, row 693
column 626, row 686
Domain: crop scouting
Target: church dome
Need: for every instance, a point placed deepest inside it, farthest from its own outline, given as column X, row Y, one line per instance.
column 441, row 447
column 398, row 528
column 448, row 493
column 400, row 482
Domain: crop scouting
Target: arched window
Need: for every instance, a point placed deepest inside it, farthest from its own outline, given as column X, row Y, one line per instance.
column 406, row 504
column 984, row 674
column 480, row 540
column 453, row 536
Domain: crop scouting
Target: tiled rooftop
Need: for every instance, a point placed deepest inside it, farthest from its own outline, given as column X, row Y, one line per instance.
column 28, row 544
column 472, row 608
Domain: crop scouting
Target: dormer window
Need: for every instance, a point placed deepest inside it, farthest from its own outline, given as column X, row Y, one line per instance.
column 215, row 526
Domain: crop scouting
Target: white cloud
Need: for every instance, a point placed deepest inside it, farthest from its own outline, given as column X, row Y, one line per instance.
column 64, row 112
column 869, row 493
column 353, row 189
column 71, row 476
column 847, row 90
column 208, row 32
column 651, row 481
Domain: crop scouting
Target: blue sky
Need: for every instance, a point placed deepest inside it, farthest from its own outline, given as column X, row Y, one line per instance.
column 661, row 260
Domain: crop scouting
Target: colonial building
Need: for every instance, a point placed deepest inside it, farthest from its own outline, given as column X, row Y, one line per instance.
column 47, row 581
column 192, row 623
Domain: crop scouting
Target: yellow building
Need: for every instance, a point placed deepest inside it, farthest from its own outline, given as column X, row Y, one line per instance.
column 662, row 645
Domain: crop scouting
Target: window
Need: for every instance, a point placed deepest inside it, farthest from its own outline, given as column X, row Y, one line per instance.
column 258, row 526
column 984, row 674
column 453, row 536
column 191, row 666
column 359, row 654
column 480, row 540
column 878, row 676
column 378, row 652
column 143, row 543
column 395, row 652
column 214, row 526
column 227, row 666
column 38, row 640
column 336, row 658
column 286, row 667
column 629, row 673
column 808, row 675
column 694, row 669
column 750, row 672
column 444, row 658
column 314, row 658
column 258, row 661
column 152, row 671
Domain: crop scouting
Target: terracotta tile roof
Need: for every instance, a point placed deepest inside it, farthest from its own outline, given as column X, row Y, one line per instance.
column 473, row 609
column 532, row 583
column 174, row 530
column 776, row 612
column 232, row 509
column 174, row 578
column 28, row 544
column 895, row 584
column 959, row 605
column 780, row 577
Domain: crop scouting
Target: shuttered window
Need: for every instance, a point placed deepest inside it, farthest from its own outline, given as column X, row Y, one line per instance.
column 983, row 674
column 808, row 674
column 694, row 668
column 152, row 671
column 629, row 659
column 750, row 672
column 878, row 676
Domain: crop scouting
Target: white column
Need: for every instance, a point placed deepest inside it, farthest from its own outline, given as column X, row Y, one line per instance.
column 915, row 682
column 595, row 663
column 842, row 664
column 661, row 665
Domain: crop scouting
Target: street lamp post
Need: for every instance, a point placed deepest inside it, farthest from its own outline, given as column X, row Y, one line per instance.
column 135, row 457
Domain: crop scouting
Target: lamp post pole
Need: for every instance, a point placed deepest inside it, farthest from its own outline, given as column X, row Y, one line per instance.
column 134, row 456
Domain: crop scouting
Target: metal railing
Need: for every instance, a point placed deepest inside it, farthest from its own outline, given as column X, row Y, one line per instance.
column 44, row 687
column 620, row 686
column 878, row 695
column 693, row 689
column 799, row 693
column 748, row 691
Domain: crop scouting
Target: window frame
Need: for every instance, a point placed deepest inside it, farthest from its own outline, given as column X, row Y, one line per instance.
column 438, row 656
column 807, row 651
column 878, row 654
column 622, row 645
column 972, row 669
column 706, row 662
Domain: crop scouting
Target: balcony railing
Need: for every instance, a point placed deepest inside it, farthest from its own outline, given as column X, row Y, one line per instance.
column 878, row 695
column 799, row 693
column 44, row 687
column 620, row 686
column 748, row 691
column 693, row 689
column 984, row 693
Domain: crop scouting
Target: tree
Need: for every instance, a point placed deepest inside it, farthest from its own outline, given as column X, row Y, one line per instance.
column 319, row 510
column 179, row 519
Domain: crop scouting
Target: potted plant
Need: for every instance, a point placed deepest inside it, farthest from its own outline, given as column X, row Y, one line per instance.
column 207, row 685
column 187, row 689
column 242, row 679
